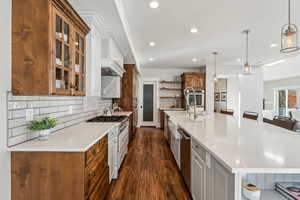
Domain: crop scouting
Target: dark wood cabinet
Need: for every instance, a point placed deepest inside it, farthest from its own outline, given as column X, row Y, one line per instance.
column 193, row 79
column 61, row 175
column 48, row 48
column 128, row 100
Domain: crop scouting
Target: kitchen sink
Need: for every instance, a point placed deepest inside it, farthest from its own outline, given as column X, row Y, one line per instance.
column 108, row 119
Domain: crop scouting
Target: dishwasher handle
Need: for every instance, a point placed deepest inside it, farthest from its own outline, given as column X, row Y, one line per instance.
column 183, row 134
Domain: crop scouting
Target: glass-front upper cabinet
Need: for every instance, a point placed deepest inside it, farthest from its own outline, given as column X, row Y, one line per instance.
column 56, row 49
column 69, row 62
column 63, row 57
column 79, row 68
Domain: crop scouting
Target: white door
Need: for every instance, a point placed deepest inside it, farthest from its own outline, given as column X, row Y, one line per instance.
column 149, row 102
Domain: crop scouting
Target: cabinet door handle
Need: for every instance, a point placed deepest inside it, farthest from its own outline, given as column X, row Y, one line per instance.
column 94, row 151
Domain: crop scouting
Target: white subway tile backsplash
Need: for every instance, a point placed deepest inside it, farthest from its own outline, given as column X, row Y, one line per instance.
column 19, row 131
column 25, row 98
column 16, row 122
column 56, row 107
column 48, row 110
column 14, row 105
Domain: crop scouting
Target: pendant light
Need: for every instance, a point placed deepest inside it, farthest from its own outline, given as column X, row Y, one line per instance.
column 247, row 66
column 215, row 74
column 289, row 35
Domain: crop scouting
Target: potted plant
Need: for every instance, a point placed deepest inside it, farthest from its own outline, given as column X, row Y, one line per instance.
column 43, row 126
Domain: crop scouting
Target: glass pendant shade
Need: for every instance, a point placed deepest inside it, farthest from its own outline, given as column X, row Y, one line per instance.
column 289, row 38
column 289, row 35
column 247, row 69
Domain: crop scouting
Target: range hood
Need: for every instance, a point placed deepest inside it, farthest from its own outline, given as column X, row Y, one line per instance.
column 111, row 72
column 111, row 67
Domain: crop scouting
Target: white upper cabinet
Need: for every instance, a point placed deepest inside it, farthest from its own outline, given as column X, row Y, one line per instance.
column 93, row 54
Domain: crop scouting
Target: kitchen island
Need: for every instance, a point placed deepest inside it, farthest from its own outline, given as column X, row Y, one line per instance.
column 243, row 150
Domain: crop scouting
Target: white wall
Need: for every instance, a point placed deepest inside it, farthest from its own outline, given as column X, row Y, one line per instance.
column 233, row 92
column 251, row 90
column 5, row 68
column 287, row 69
column 245, row 92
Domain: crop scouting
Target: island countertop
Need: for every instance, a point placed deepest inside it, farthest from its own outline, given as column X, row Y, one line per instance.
column 244, row 145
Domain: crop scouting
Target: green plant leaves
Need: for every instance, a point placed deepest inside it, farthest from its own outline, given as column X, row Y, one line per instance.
column 43, row 124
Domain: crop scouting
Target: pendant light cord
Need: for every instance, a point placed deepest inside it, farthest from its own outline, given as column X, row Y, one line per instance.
column 215, row 64
column 289, row 12
column 247, row 46
column 215, row 54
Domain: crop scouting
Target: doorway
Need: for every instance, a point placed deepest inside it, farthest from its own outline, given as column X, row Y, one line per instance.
column 149, row 101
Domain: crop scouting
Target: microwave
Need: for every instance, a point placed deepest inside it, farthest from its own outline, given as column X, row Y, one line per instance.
column 200, row 98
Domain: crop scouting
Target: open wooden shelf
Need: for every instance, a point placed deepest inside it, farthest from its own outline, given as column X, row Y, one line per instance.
column 171, row 82
column 167, row 88
column 168, row 97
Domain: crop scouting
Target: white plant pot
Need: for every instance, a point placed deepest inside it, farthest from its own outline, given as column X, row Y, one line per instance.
column 44, row 134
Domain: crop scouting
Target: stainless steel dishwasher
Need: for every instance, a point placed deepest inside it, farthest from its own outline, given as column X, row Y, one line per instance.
column 185, row 157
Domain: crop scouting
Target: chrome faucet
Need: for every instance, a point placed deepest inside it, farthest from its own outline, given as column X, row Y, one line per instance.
column 107, row 109
column 186, row 91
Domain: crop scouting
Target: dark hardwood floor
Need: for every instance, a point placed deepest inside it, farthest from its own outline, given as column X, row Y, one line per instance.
column 149, row 171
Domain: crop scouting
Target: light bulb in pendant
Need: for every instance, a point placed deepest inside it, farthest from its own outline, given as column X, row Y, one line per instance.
column 215, row 78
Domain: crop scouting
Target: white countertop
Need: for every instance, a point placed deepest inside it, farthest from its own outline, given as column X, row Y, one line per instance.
column 126, row 113
column 244, row 145
column 78, row 138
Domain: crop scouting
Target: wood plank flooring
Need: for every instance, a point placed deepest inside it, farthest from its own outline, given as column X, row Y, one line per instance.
column 149, row 171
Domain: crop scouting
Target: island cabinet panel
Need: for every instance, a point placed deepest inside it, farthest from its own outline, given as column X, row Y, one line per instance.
column 48, row 48
column 222, row 182
column 61, row 175
column 210, row 179
column 199, row 178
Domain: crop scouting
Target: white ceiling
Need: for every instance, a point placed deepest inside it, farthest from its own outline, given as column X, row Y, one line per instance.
column 220, row 23
column 109, row 15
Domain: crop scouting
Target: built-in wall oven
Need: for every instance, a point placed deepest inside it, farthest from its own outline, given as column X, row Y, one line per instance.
column 200, row 98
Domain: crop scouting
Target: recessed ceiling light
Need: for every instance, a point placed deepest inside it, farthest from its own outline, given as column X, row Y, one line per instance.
column 238, row 60
column 152, row 44
column 194, row 59
column 154, row 4
column 273, row 45
column 194, row 30
column 274, row 63
column 151, row 59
